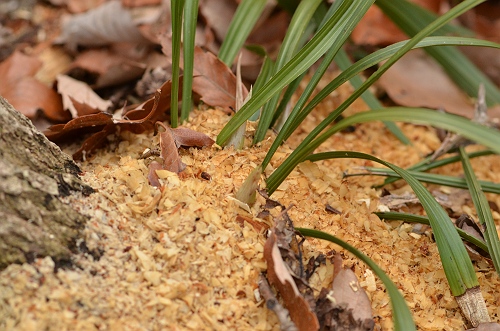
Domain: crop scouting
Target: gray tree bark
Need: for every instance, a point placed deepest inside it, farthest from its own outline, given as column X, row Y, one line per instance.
column 34, row 175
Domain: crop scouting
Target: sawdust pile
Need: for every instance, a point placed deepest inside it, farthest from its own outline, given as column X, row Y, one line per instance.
column 187, row 257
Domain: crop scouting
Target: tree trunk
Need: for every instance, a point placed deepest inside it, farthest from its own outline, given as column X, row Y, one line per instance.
column 34, row 174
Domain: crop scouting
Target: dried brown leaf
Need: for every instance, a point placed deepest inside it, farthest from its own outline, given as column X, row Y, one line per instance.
column 467, row 224
column 213, row 11
column 152, row 175
column 213, row 80
column 377, row 29
column 190, row 138
column 170, row 141
column 106, row 67
column 417, row 81
column 72, row 89
column 101, row 124
column 346, row 306
column 169, row 152
column 26, row 93
column 279, row 276
column 108, row 23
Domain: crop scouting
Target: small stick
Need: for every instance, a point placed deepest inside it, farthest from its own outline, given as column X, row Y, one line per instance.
column 272, row 303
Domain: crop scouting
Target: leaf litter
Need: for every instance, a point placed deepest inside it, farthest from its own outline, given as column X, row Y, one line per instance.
column 345, row 306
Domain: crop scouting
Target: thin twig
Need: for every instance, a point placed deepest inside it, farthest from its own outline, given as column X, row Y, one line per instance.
column 272, row 303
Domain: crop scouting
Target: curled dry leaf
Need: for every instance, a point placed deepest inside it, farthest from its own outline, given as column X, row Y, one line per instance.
column 78, row 98
column 101, row 125
column 26, row 93
column 170, row 141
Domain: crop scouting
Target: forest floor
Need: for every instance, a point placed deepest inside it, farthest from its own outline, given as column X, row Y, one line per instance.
column 188, row 257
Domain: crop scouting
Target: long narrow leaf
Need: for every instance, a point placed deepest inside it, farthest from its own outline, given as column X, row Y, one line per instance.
column 463, row 72
column 438, row 179
column 378, row 56
column 483, row 210
column 300, row 20
column 241, row 25
column 456, row 262
column 401, row 316
column 299, row 114
column 428, row 164
column 176, row 8
column 437, row 24
column 343, row 61
column 473, row 131
column 287, row 128
column 303, row 60
column 264, row 75
column 190, row 20
column 411, row 218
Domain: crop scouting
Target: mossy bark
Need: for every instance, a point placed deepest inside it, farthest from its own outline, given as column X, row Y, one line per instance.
column 34, row 175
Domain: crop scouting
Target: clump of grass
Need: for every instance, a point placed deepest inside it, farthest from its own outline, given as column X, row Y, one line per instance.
column 331, row 27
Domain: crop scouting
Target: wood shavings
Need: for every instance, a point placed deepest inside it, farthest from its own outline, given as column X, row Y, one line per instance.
column 185, row 257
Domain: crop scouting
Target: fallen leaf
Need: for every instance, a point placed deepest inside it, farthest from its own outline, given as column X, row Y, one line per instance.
column 348, row 298
column 78, row 98
column 170, row 141
column 417, row 81
column 213, row 10
column 483, row 19
column 279, row 276
column 26, row 93
column 467, row 224
column 101, row 125
column 106, row 24
column 214, row 81
column 375, row 28
column 106, row 67
column 169, row 152
column 189, row 138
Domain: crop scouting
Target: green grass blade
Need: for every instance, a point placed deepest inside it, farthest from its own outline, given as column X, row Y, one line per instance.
column 412, row 218
column 401, row 317
column 298, row 116
column 463, row 72
column 343, row 61
column 380, row 55
column 483, row 211
column 287, row 128
column 444, row 180
column 427, row 164
column 176, row 8
column 242, row 23
column 437, row 24
column 300, row 20
column 456, row 262
column 473, row 131
column 265, row 73
column 279, row 117
column 190, row 20
column 310, row 53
